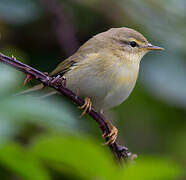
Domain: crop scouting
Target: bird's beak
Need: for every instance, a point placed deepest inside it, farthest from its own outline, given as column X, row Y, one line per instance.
column 152, row 47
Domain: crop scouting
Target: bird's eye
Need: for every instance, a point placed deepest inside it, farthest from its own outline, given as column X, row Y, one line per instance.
column 133, row 44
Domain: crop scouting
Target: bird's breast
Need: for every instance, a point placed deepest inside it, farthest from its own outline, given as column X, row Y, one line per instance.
column 107, row 81
column 122, row 82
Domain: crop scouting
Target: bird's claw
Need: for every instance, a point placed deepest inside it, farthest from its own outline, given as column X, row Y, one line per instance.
column 112, row 136
column 87, row 106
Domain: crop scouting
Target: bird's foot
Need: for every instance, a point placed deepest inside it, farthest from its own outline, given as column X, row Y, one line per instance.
column 112, row 136
column 87, row 106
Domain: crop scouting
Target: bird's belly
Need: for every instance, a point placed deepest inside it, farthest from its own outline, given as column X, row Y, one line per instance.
column 117, row 95
column 89, row 86
column 105, row 91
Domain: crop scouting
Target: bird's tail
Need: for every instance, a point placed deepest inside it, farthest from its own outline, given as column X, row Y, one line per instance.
column 31, row 90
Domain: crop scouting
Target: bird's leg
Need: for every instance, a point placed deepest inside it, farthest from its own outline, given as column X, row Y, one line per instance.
column 112, row 135
column 87, row 106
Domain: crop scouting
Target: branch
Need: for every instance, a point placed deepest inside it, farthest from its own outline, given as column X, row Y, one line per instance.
column 63, row 28
column 119, row 151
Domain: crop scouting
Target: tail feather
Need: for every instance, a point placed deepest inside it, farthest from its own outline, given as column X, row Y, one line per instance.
column 31, row 90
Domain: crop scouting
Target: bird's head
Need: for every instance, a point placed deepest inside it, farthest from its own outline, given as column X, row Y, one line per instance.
column 130, row 43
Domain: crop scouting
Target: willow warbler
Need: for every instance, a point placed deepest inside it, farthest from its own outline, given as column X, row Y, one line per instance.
column 104, row 70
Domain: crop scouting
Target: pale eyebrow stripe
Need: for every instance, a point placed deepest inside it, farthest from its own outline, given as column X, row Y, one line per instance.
column 138, row 42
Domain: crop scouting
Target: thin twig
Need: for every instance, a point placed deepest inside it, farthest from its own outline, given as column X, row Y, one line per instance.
column 62, row 26
column 119, row 151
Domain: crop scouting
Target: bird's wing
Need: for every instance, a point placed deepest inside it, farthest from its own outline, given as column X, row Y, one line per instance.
column 65, row 65
column 85, row 50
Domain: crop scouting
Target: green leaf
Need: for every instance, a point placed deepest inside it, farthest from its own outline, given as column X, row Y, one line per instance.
column 7, row 129
column 24, row 109
column 152, row 168
column 21, row 12
column 9, row 79
column 76, row 156
column 23, row 164
column 27, row 108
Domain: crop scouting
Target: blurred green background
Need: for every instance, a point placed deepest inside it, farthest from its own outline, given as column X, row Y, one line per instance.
column 47, row 139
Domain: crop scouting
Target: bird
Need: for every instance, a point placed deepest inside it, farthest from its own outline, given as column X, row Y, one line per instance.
column 104, row 70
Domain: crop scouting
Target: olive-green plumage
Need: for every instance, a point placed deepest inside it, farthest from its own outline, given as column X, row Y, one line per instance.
column 115, row 40
column 106, row 67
